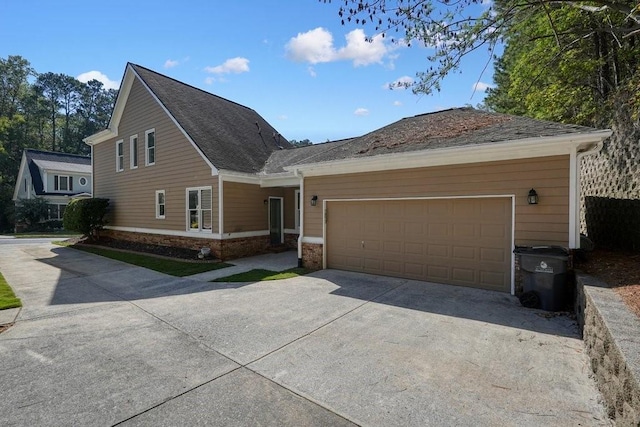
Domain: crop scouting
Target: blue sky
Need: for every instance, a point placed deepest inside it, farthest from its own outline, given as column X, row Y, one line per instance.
column 290, row 60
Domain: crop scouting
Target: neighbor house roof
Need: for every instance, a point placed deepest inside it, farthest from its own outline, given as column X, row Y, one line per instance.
column 230, row 135
column 37, row 160
column 453, row 128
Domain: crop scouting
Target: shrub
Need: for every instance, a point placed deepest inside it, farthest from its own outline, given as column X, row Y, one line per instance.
column 32, row 213
column 86, row 216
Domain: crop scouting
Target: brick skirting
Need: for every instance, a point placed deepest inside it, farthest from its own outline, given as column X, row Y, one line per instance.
column 312, row 256
column 222, row 249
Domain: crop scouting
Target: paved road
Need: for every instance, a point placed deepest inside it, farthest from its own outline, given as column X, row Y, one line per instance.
column 100, row 342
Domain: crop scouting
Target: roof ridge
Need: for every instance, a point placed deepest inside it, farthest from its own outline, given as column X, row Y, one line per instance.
column 57, row 153
column 185, row 84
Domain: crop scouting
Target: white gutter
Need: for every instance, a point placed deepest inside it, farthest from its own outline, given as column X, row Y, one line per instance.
column 301, row 230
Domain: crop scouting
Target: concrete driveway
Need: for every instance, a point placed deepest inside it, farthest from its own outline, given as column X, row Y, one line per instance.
column 101, row 342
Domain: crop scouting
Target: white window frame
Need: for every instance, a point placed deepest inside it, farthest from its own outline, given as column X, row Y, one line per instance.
column 133, row 152
column 59, row 217
column 120, row 155
column 163, row 204
column 146, row 147
column 296, row 212
column 199, row 210
column 58, row 181
column 80, row 181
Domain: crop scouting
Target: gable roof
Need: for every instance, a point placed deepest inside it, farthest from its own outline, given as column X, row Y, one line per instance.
column 447, row 129
column 37, row 160
column 229, row 135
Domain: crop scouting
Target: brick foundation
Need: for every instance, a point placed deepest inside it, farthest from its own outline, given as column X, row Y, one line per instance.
column 291, row 241
column 222, row 249
column 312, row 256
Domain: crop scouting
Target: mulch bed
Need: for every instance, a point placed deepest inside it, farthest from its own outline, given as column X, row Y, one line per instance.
column 619, row 269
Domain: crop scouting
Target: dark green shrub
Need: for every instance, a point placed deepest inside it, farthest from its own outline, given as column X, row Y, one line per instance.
column 86, row 216
column 32, row 213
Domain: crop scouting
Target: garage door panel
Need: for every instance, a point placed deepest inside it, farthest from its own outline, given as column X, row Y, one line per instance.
column 492, row 255
column 457, row 241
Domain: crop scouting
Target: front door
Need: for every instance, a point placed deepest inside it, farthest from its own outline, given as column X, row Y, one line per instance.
column 275, row 220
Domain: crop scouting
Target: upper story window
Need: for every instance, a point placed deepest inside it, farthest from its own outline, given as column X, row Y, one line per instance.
column 133, row 151
column 150, row 147
column 82, row 181
column 62, row 183
column 119, row 156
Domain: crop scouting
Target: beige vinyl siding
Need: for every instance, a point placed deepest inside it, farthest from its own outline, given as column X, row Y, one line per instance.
column 545, row 223
column 244, row 207
column 177, row 166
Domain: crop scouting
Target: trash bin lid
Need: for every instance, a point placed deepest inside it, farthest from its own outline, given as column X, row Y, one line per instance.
column 546, row 251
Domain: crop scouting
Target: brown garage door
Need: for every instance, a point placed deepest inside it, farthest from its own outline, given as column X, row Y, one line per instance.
column 456, row 241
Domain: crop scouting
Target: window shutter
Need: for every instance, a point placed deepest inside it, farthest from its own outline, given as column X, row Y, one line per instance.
column 55, row 182
column 70, row 183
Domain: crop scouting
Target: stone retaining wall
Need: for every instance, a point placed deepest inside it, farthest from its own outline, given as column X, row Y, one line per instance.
column 611, row 334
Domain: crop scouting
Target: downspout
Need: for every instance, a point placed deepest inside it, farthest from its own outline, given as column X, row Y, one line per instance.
column 301, row 231
column 574, row 191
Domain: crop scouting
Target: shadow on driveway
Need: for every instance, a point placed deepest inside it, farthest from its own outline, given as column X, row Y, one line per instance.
column 115, row 281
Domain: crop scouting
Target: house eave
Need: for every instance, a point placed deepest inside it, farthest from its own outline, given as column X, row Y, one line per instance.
column 280, row 179
column 504, row 150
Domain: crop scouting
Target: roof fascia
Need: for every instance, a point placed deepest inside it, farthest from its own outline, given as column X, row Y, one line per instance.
column 286, row 179
column 506, row 150
column 23, row 164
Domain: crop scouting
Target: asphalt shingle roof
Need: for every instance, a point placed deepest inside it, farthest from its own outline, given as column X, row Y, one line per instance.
column 456, row 127
column 54, row 161
column 232, row 136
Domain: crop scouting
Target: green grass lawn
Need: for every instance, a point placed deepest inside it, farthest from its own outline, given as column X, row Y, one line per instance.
column 259, row 275
column 7, row 298
column 166, row 266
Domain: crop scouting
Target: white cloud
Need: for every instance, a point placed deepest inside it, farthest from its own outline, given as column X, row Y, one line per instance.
column 283, row 117
column 481, row 86
column 169, row 63
column 397, row 103
column 361, row 112
column 403, row 82
column 316, row 46
column 312, row 71
column 209, row 80
column 234, row 65
column 97, row 75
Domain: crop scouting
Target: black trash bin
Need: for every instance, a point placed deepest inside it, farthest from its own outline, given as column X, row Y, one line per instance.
column 544, row 273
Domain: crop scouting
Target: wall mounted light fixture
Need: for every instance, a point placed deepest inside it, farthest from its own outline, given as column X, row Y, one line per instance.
column 266, row 202
column 532, row 198
column 314, row 200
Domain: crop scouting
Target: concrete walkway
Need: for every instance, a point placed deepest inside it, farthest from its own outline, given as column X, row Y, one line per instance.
column 101, row 342
column 273, row 262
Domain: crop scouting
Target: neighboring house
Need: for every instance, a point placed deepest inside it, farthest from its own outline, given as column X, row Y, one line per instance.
column 55, row 177
column 439, row 197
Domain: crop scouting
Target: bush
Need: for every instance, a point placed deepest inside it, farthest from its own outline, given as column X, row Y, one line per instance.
column 86, row 216
column 32, row 213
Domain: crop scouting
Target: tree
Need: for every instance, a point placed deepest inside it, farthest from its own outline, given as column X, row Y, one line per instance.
column 302, row 143
column 32, row 213
column 49, row 85
column 457, row 28
column 86, row 216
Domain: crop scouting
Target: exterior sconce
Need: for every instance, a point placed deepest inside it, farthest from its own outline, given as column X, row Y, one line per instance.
column 266, row 202
column 314, row 200
column 532, row 198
